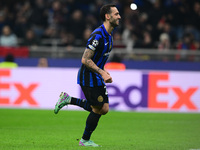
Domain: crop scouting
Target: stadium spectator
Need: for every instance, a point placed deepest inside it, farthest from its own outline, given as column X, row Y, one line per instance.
column 57, row 14
column 154, row 16
column 67, row 39
column 9, row 62
column 187, row 44
column 30, row 39
column 195, row 15
column 8, row 38
column 38, row 18
column 23, row 14
column 43, row 62
column 48, row 18
column 51, row 32
column 86, row 34
column 91, row 21
column 164, row 46
column 2, row 20
column 145, row 41
column 164, row 43
column 127, row 37
column 77, row 25
column 117, row 43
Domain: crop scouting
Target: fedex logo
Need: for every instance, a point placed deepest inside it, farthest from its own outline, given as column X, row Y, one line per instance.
column 150, row 90
column 24, row 92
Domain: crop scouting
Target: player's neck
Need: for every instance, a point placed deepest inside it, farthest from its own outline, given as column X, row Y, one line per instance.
column 108, row 27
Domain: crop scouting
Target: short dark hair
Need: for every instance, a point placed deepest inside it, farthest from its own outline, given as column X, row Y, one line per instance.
column 105, row 9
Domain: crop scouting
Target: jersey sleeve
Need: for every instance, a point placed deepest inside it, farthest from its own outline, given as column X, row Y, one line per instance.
column 93, row 42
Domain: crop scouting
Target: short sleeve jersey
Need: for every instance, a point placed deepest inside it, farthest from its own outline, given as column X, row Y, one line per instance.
column 101, row 43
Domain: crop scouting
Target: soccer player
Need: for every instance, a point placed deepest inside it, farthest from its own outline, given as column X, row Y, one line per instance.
column 92, row 75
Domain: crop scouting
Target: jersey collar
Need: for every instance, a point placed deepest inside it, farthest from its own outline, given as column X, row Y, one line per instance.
column 106, row 30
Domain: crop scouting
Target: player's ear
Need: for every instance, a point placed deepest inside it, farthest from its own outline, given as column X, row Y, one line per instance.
column 107, row 16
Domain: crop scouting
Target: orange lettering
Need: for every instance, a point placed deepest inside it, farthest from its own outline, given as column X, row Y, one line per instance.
column 4, row 100
column 25, row 94
column 184, row 98
column 154, row 90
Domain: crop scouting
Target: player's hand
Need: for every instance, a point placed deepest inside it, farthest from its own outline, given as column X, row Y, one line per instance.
column 107, row 78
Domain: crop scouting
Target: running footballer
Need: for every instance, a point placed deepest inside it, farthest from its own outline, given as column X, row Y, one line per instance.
column 92, row 75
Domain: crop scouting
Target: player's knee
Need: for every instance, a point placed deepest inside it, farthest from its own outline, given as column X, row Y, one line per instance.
column 104, row 110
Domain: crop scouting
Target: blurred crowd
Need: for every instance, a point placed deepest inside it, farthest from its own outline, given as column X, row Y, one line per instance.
column 160, row 24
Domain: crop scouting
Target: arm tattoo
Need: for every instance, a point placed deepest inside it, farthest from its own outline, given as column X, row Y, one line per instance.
column 87, row 57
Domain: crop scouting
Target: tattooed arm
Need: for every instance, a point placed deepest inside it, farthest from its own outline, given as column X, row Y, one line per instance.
column 87, row 61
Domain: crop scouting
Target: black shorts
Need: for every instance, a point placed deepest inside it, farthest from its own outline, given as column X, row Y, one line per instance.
column 96, row 96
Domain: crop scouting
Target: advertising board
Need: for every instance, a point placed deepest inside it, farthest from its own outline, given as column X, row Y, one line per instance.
column 131, row 90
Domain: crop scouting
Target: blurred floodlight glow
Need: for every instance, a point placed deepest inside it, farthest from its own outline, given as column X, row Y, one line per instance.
column 133, row 6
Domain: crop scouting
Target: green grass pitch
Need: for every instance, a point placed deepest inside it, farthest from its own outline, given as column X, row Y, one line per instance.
column 22, row 129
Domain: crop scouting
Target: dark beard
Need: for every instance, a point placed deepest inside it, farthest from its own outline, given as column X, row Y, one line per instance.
column 114, row 24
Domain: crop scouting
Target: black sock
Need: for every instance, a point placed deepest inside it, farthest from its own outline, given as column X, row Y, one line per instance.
column 91, row 125
column 82, row 103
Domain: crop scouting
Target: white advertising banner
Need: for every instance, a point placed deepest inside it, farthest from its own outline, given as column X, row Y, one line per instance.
column 131, row 89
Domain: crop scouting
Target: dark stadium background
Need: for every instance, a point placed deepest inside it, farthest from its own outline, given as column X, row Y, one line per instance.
column 58, row 30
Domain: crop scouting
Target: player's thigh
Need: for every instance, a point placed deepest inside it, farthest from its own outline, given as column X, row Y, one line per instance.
column 96, row 96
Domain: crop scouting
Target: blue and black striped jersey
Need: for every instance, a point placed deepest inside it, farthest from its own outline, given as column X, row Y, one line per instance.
column 101, row 43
